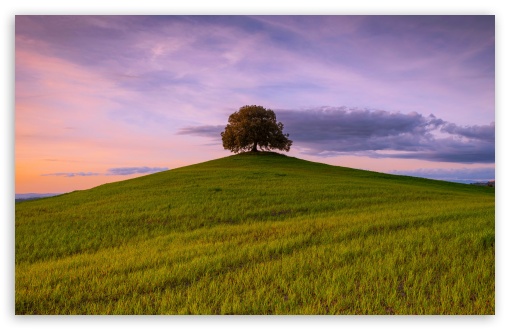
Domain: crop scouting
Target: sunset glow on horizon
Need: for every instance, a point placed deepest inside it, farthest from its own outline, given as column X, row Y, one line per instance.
column 100, row 99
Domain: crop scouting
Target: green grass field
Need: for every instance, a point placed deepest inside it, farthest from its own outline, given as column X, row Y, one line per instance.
column 259, row 234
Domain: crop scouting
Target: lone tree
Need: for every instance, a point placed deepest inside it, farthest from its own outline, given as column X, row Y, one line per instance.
column 254, row 126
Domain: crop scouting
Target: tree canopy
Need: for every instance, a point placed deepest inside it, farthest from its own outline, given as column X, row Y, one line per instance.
column 252, row 126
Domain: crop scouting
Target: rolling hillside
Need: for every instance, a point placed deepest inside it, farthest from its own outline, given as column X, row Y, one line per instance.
column 259, row 234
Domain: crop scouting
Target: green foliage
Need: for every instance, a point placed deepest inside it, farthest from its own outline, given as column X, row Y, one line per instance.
column 259, row 233
column 254, row 126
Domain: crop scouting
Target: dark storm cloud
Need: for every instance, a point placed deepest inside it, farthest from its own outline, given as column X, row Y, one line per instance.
column 331, row 131
column 135, row 170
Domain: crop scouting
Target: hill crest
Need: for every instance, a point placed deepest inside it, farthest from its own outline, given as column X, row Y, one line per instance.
column 258, row 234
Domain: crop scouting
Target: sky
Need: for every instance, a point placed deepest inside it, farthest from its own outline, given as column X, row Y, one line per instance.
column 106, row 98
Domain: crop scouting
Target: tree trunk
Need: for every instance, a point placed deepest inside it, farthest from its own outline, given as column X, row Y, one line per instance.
column 254, row 148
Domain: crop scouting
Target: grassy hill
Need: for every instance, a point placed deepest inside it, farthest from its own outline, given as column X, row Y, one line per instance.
column 259, row 234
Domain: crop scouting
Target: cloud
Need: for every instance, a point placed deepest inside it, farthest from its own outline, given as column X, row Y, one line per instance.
column 452, row 150
column 71, row 174
column 134, row 170
column 206, row 130
column 333, row 131
column 462, row 175
column 127, row 84
column 485, row 132
column 112, row 171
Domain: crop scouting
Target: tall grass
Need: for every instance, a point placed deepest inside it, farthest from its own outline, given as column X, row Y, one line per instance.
column 259, row 234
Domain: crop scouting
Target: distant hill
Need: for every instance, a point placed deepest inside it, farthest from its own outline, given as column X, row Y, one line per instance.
column 35, row 195
column 31, row 196
column 259, row 233
column 487, row 184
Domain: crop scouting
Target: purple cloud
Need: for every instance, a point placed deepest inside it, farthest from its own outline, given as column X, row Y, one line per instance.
column 112, row 171
column 71, row 174
column 130, row 83
column 330, row 131
column 205, row 130
column 484, row 132
column 135, row 170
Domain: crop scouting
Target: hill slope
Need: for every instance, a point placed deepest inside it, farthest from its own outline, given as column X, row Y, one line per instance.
column 259, row 234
